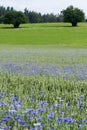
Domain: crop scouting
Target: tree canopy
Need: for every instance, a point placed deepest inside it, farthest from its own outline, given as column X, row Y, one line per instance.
column 73, row 15
column 15, row 18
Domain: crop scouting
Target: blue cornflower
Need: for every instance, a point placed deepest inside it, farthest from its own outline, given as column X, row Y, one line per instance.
column 51, row 115
column 60, row 120
column 29, row 117
column 14, row 99
column 7, row 127
column 39, row 118
column 32, row 128
column 42, row 103
column 34, row 113
column 84, row 121
column 40, row 110
column 30, row 110
column 5, row 119
column 68, row 120
column 82, row 96
column 21, row 121
column 18, row 104
column 2, row 104
column 17, row 117
column 57, row 105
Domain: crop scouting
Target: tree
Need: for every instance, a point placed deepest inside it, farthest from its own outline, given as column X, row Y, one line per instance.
column 15, row 18
column 34, row 17
column 2, row 13
column 49, row 18
column 73, row 15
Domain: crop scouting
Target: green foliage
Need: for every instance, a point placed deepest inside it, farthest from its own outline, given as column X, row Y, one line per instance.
column 3, row 11
column 73, row 15
column 34, row 17
column 15, row 18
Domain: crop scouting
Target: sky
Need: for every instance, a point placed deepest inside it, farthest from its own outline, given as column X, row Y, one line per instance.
column 45, row 6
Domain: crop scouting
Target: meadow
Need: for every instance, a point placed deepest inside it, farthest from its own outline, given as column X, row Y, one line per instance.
column 43, row 77
column 44, row 34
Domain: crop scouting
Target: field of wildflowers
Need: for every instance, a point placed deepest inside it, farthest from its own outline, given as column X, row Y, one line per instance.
column 43, row 88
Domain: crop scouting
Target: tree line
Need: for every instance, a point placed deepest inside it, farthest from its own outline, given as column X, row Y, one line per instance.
column 10, row 16
column 32, row 16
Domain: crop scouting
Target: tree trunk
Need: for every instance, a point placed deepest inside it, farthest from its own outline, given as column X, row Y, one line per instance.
column 74, row 24
column 16, row 25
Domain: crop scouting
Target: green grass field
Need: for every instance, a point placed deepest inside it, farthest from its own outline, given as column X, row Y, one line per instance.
column 45, row 34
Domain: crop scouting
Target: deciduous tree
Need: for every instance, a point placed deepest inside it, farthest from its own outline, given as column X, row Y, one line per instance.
column 15, row 18
column 73, row 15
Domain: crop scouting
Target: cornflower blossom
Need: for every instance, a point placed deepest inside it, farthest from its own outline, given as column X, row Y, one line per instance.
column 43, row 104
column 32, row 128
column 30, row 110
column 5, row 119
column 39, row 118
column 2, row 104
column 40, row 110
column 64, row 119
column 50, row 115
column 29, row 117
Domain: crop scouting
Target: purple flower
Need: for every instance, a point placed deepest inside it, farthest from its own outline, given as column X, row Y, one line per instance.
column 5, row 119
column 51, row 115
column 2, row 104
column 21, row 121
column 30, row 110
column 34, row 113
column 40, row 110
column 7, row 127
column 32, row 128
column 29, row 117
column 84, row 121
column 66, row 119
column 43, row 103
column 39, row 118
